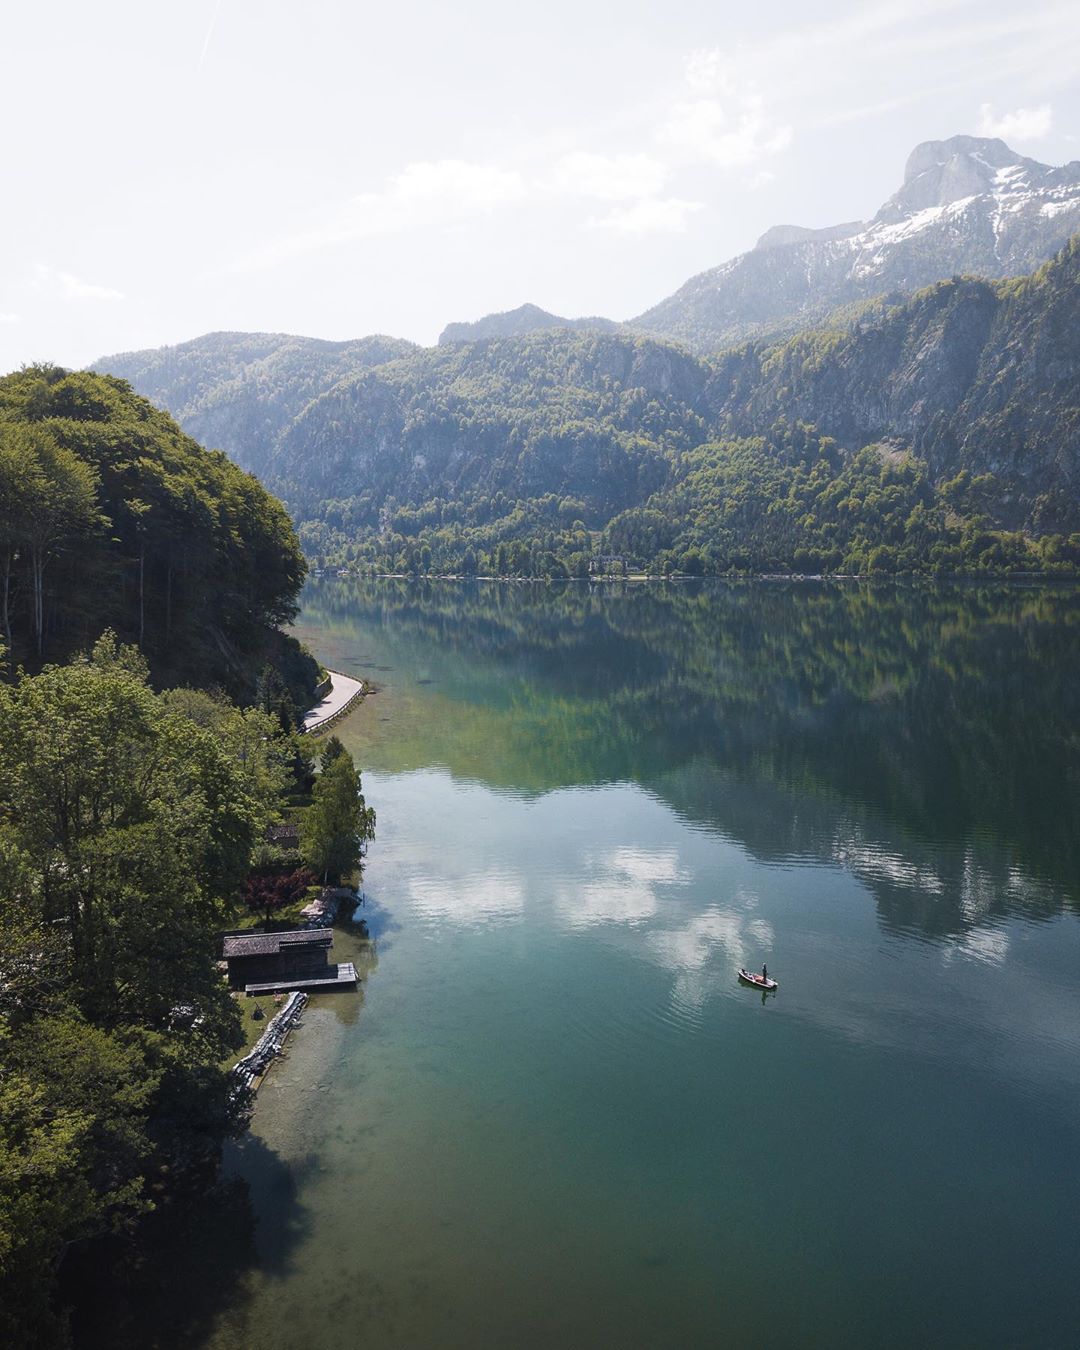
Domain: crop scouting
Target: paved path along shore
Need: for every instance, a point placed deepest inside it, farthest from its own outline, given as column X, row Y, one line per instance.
column 344, row 690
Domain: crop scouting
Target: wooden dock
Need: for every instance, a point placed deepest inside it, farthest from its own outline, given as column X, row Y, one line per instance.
column 342, row 976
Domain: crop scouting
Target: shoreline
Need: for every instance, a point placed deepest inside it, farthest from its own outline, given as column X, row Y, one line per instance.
column 878, row 578
column 344, row 693
column 251, row 1071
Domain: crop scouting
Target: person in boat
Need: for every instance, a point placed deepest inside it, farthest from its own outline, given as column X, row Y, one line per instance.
column 764, row 971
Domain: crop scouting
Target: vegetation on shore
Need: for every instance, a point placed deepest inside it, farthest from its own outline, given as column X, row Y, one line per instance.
column 111, row 517
column 137, row 804
column 131, row 826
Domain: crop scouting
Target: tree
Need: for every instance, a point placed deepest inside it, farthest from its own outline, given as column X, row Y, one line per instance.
column 272, row 696
column 47, row 501
column 253, row 739
column 268, row 889
column 126, row 830
column 61, row 506
column 134, row 827
column 332, row 748
column 338, row 823
column 20, row 485
column 74, row 1108
column 111, row 517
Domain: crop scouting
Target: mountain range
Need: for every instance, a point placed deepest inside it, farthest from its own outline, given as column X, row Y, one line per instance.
column 968, row 205
column 562, row 432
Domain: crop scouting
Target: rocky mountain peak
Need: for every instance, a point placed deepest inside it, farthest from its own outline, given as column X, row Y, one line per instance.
column 940, row 172
column 968, row 204
column 930, row 155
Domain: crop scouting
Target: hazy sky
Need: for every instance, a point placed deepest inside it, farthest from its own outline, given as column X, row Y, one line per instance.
column 337, row 169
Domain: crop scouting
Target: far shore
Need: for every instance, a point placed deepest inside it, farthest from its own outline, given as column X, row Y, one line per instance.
column 607, row 577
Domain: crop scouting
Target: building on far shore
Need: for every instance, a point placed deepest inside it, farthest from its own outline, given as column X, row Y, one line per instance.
column 268, row 963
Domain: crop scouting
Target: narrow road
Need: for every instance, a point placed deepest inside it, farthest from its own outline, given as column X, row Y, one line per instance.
column 343, row 689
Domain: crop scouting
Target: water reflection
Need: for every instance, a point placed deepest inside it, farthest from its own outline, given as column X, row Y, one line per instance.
column 192, row 1266
column 619, row 885
column 706, row 949
column 606, row 802
column 924, row 738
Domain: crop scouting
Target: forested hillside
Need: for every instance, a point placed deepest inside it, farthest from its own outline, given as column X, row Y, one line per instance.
column 942, row 433
column 518, row 322
column 238, row 391
column 111, row 517
column 485, row 426
column 936, row 433
column 970, row 374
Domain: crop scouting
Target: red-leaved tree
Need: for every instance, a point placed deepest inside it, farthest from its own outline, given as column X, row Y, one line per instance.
column 266, row 890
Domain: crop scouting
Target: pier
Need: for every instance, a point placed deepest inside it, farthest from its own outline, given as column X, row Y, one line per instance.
column 342, row 976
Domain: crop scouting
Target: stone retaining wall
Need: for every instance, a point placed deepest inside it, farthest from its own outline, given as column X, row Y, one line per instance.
column 258, row 1059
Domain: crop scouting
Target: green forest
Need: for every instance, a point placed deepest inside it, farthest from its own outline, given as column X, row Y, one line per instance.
column 937, row 433
column 149, row 708
column 111, row 517
column 134, row 827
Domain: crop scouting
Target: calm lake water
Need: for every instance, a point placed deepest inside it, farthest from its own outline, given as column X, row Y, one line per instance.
column 551, row 1117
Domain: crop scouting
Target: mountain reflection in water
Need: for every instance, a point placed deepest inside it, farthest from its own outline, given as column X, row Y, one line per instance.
column 552, row 1116
column 926, row 737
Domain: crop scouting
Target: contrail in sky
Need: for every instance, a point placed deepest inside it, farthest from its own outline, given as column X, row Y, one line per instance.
column 209, row 33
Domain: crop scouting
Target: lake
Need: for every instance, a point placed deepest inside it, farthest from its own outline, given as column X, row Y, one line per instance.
column 551, row 1117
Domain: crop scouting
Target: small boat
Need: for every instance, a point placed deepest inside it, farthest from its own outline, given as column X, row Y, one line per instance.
column 758, row 981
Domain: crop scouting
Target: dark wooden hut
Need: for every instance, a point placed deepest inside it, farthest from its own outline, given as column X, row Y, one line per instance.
column 298, row 959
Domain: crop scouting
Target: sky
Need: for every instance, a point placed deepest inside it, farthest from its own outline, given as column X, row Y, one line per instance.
column 339, row 168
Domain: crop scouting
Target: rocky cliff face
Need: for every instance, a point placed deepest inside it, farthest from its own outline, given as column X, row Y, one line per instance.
column 969, row 373
column 968, row 205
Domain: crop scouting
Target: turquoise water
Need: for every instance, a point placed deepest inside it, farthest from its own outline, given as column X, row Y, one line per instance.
column 551, row 1116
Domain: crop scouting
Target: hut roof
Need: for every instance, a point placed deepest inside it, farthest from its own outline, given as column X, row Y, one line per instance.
column 269, row 944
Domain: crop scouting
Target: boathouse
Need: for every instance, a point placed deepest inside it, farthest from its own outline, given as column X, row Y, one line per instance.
column 270, row 963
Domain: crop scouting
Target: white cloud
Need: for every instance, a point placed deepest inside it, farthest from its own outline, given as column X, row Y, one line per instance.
column 713, row 931
column 702, row 131
column 653, row 215
column 726, row 121
column 10, row 318
column 425, row 193
column 608, row 177
column 69, row 287
column 474, row 187
column 1022, row 124
column 988, row 945
column 210, row 32
column 709, row 71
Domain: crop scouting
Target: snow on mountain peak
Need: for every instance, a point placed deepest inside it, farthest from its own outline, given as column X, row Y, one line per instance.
column 968, row 204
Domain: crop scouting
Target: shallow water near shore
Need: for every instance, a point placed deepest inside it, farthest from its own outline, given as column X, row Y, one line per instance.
column 551, row 1116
